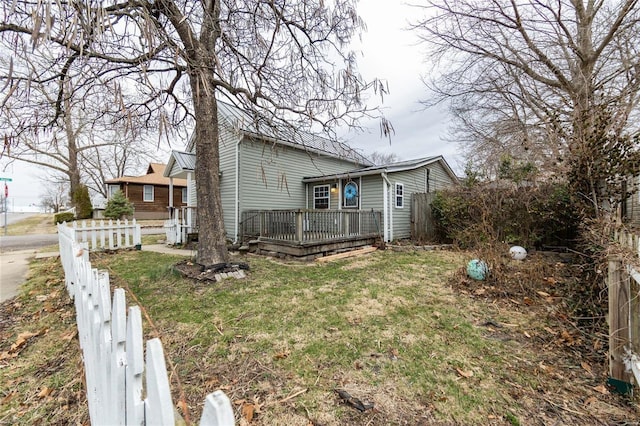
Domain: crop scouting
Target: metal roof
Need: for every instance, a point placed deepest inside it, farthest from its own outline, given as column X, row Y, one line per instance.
column 185, row 160
column 399, row 166
column 261, row 126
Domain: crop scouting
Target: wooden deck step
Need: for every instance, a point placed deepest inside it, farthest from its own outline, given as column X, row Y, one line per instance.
column 346, row 254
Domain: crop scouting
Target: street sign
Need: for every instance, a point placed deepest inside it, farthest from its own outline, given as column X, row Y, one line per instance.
column 6, row 179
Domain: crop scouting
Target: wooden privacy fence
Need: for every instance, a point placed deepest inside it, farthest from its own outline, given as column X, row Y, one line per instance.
column 107, row 235
column 623, row 283
column 422, row 228
column 118, row 370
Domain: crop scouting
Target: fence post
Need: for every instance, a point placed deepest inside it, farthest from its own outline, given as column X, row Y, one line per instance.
column 135, row 367
column 111, row 242
column 634, row 315
column 217, row 410
column 118, row 234
column 618, row 289
column 137, row 237
column 94, row 241
column 118, row 356
column 299, row 228
column 158, row 405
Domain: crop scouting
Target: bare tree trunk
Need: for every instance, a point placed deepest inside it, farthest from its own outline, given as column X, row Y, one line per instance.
column 212, row 247
column 73, row 171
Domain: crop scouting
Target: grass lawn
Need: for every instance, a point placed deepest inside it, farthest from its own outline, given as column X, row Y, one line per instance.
column 403, row 331
column 36, row 224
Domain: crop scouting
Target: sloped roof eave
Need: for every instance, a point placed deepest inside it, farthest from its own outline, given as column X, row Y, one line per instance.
column 185, row 162
column 306, row 148
column 346, row 175
column 374, row 170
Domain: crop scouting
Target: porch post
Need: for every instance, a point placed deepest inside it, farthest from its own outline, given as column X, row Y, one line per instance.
column 345, row 222
column 262, row 215
column 170, row 193
column 299, row 228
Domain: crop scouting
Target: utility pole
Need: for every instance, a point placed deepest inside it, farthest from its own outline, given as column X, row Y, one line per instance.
column 6, row 195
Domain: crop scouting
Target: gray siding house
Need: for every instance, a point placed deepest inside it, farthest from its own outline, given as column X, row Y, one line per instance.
column 389, row 188
column 286, row 176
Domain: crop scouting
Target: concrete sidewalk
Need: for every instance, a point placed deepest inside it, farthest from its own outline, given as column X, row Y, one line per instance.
column 14, row 265
column 163, row 248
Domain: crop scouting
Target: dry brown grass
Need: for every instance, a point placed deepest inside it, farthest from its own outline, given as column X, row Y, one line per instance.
column 407, row 332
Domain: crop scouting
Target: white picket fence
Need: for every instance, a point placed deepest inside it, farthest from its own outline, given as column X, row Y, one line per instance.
column 114, row 353
column 108, row 235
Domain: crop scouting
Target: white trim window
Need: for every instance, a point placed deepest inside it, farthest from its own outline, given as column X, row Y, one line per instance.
column 321, row 197
column 399, row 195
column 112, row 190
column 185, row 196
column 147, row 193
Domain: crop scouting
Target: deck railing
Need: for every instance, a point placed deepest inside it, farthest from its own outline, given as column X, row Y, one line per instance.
column 302, row 226
column 182, row 221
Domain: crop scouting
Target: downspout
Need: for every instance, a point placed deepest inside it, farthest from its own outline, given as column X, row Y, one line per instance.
column 236, row 196
column 387, row 211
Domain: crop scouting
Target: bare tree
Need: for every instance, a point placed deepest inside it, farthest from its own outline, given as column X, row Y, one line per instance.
column 172, row 59
column 87, row 131
column 537, row 79
column 55, row 195
column 380, row 158
column 121, row 158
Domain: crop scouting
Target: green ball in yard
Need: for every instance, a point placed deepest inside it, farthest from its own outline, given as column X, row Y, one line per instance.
column 477, row 269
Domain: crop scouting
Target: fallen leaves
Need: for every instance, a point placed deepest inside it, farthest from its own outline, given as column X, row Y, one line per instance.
column 249, row 409
column 601, row 389
column 586, row 367
column 282, row 355
column 467, row 374
column 20, row 343
column 45, row 392
column 590, row 400
column 247, row 412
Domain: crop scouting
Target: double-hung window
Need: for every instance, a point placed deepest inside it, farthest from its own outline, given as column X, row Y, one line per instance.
column 399, row 195
column 148, row 193
column 113, row 189
column 185, row 193
column 321, row 197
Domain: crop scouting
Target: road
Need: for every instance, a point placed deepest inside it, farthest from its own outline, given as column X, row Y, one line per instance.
column 16, row 251
column 14, row 217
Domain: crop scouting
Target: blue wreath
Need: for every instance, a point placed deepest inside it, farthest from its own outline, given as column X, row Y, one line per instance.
column 350, row 191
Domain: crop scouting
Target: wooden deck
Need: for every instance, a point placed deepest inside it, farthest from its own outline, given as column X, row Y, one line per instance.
column 304, row 233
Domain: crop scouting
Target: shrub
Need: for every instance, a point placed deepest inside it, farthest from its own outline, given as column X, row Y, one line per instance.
column 118, row 206
column 530, row 216
column 82, row 202
column 62, row 217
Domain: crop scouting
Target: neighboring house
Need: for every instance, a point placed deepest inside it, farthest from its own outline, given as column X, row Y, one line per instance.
column 271, row 172
column 149, row 193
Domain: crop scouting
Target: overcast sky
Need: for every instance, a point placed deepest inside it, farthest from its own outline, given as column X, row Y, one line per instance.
column 390, row 53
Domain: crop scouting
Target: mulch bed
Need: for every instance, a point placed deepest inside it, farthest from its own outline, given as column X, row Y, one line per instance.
column 212, row 273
